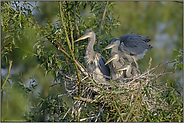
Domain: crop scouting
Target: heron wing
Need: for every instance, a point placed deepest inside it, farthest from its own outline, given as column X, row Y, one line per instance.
column 101, row 64
column 133, row 44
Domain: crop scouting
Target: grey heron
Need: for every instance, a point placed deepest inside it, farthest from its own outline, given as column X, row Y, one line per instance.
column 132, row 47
column 94, row 60
column 130, row 70
column 116, row 61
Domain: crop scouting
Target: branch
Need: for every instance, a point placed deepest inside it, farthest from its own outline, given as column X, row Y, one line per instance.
column 99, row 112
column 103, row 17
column 85, row 100
column 75, row 18
column 149, row 64
column 147, row 72
column 10, row 64
column 71, row 29
column 135, row 102
column 82, row 68
column 69, row 45
column 66, row 33
column 118, row 110
column 70, row 78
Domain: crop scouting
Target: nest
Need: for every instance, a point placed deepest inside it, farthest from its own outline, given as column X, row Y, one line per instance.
column 124, row 91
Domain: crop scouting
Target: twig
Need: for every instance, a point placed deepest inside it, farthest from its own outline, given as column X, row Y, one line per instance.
column 87, row 118
column 78, row 114
column 82, row 68
column 66, row 113
column 66, row 33
column 72, row 79
column 70, row 25
column 100, row 111
column 103, row 17
column 70, row 108
column 85, row 100
column 75, row 18
column 158, row 65
column 10, row 64
column 69, row 45
column 117, row 110
column 67, row 64
column 149, row 64
column 132, row 108
column 147, row 72
column 78, row 103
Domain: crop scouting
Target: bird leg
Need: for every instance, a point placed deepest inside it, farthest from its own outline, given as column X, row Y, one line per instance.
column 135, row 63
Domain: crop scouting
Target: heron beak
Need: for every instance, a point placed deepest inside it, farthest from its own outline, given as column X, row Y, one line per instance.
column 110, row 59
column 108, row 47
column 125, row 67
column 82, row 37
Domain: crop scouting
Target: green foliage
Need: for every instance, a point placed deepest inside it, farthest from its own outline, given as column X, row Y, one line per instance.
column 178, row 59
column 44, row 55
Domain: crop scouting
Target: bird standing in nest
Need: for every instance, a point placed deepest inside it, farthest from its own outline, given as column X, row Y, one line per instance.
column 115, row 61
column 132, row 47
column 95, row 61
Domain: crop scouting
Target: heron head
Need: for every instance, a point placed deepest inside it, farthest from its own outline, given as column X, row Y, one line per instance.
column 113, row 57
column 114, row 42
column 87, row 34
column 124, row 67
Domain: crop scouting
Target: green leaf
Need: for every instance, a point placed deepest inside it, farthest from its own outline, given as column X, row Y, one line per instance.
column 24, row 57
column 50, row 59
column 56, row 73
column 181, row 66
column 179, row 117
column 60, row 65
column 6, row 59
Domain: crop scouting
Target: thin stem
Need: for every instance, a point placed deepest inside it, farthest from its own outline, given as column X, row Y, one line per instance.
column 78, row 114
column 69, row 45
column 149, row 64
column 117, row 110
column 10, row 64
column 82, row 68
column 132, row 108
column 75, row 19
column 103, row 17
column 71, row 29
column 100, row 111
column 7, row 102
column 66, row 33
column 66, row 60
column 85, row 100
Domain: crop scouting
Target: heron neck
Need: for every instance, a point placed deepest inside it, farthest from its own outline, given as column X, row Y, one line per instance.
column 91, row 43
column 128, row 72
column 114, row 49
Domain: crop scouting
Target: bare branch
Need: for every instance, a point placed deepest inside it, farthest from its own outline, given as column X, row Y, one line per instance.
column 99, row 112
column 132, row 108
column 10, row 64
column 75, row 18
column 85, row 100
column 117, row 109
column 103, row 17
column 71, row 28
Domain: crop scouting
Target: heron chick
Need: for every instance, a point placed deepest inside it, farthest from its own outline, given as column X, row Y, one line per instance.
column 114, row 60
column 131, row 71
column 131, row 46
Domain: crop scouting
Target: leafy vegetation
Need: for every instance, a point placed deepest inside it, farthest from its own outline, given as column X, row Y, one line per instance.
column 46, row 69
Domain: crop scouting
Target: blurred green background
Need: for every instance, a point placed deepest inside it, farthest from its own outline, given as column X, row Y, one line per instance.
column 161, row 21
